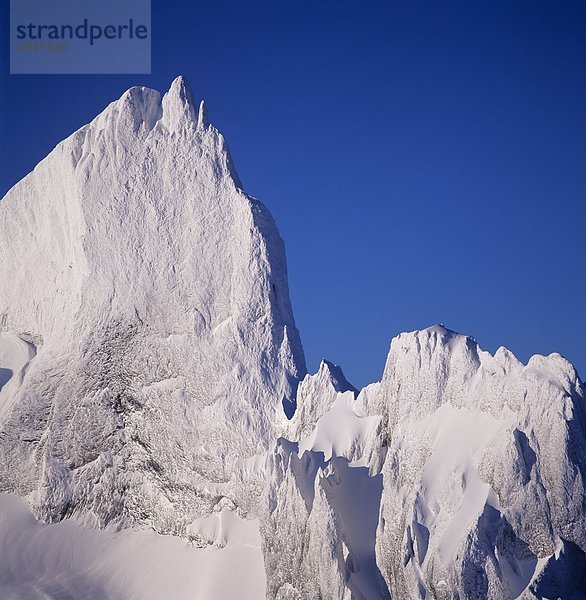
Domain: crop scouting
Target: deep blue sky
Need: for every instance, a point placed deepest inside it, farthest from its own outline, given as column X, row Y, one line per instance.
column 425, row 161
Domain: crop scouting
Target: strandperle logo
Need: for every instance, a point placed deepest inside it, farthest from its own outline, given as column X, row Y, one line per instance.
column 80, row 36
column 84, row 31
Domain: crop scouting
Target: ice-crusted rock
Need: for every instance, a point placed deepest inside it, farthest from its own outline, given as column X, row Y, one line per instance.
column 301, row 539
column 484, row 473
column 315, row 395
column 318, row 527
column 471, row 467
column 321, row 504
column 152, row 293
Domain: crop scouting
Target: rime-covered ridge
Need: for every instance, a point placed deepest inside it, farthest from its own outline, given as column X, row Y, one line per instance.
column 470, row 466
column 149, row 362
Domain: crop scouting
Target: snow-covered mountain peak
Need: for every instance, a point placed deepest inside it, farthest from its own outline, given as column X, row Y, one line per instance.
column 440, row 329
column 556, row 368
column 155, row 291
column 137, row 107
column 178, row 105
column 437, row 343
column 175, row 109
column 140, row 110
column 181, row 90
column 435, row 336
column 149, row 358
column 333, row 374
column 315, row 396
column 455, row 367
column 444, row 352
column 475, row 444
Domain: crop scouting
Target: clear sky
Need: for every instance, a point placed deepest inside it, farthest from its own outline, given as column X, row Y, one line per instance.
column 425, row 161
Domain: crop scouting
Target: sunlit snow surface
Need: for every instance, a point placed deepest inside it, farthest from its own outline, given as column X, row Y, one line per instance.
column 64, row 561
column 149, row 358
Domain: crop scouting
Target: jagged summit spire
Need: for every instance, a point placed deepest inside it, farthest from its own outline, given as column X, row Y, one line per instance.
column 176, row 110
column 180, row 87
column 178, row 104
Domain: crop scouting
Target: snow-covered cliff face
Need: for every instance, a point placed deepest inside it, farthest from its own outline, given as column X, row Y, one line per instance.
column 484, row 472
column 148, row 298
column 470, row 466
column 320, row 511
column 149, row 360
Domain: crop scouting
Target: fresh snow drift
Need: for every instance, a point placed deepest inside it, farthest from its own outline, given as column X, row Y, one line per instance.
column 149, row 362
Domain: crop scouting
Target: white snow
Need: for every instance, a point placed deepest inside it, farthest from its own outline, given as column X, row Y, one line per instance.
column 452, row 495
column 15, row 355
column 340, row 431
column 64, row 560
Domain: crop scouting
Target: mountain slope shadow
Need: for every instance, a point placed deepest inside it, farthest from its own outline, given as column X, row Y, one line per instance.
column 355, row 497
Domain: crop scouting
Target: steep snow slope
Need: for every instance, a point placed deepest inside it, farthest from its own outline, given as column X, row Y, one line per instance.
column 152, row 292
